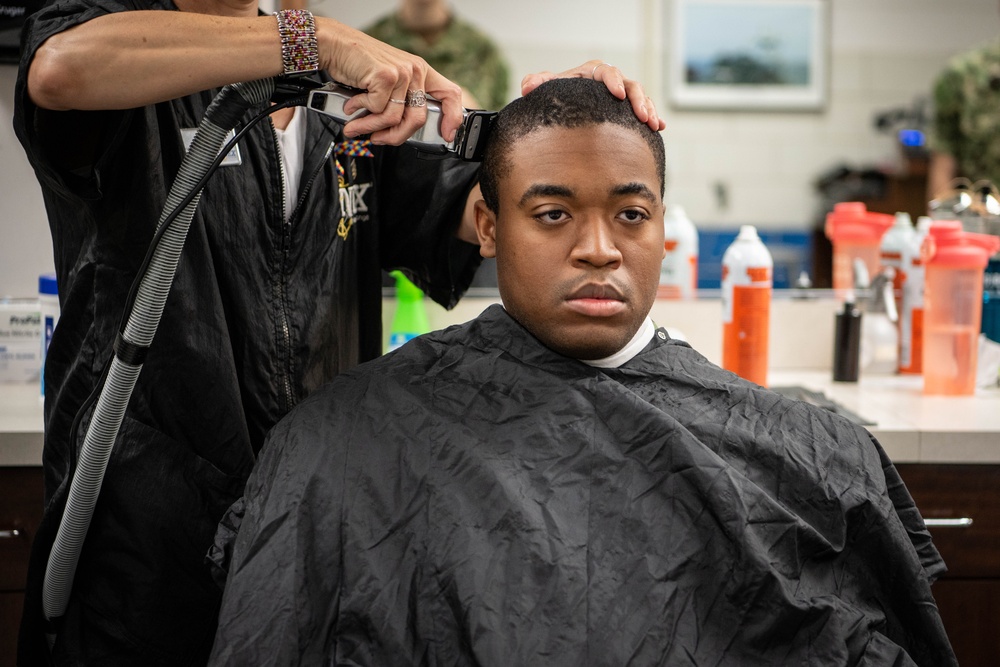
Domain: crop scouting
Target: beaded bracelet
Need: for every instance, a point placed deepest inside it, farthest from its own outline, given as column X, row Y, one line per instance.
column 299, row 48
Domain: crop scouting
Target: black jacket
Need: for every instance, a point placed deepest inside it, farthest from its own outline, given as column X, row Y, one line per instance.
column 260, row 314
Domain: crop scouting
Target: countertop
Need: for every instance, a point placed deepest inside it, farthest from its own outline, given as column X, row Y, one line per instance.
column 912, row 428
column 21, row 425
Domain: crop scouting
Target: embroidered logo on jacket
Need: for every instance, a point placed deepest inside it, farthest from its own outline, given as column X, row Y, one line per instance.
column 352, row 196
column 352, row 206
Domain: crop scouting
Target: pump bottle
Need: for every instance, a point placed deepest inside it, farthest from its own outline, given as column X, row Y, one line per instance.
column 747, row 270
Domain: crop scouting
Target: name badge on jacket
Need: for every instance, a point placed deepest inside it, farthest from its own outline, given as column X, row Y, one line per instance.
column 232, row 159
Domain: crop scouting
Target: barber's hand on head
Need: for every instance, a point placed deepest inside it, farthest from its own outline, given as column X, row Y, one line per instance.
column 390, row 77
column 616, row 82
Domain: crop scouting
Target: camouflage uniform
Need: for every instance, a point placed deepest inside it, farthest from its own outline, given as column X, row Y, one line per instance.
column 966, row 120
column 462, row 53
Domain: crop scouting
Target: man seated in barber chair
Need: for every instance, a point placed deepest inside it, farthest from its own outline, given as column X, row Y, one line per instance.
column 557, row 482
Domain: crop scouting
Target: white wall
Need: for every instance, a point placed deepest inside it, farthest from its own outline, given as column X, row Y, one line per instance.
column 25, row 244
column 884, row 53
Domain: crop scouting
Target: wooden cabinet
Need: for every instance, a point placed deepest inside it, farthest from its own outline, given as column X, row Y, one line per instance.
column 968, row 596
column 20, row 513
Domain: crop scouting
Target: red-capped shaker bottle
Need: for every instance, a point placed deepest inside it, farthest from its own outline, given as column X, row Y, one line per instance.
column 855, row 233
column 954, row 262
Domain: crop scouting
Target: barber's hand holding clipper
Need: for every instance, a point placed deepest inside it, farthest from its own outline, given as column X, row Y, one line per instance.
column 396, row 85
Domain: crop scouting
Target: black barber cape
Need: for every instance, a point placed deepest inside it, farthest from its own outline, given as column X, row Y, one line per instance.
column 477, row 499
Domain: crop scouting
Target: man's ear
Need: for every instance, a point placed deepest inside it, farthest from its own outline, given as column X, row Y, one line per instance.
column 486, row 230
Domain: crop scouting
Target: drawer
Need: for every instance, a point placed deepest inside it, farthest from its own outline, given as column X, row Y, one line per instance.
column 969, row 609
column 10, row 624
column 21, row 499
column 944, row 491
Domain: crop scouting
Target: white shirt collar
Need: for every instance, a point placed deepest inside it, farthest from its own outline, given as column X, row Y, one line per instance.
column 632, row 348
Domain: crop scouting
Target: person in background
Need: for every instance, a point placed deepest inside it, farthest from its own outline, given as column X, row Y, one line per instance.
column 965, row 128
column 557, row 482
column 453, row 47
column 278, row 288
column 460, row 51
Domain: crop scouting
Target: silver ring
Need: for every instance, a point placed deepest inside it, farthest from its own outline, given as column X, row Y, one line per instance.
column 395, row 101
column 416, row 98
column 597, row 66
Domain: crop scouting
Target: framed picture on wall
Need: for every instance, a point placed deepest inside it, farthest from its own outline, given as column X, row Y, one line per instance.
column 748, row 54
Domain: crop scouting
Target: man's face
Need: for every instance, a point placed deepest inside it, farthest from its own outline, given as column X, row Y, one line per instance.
column 578, row 238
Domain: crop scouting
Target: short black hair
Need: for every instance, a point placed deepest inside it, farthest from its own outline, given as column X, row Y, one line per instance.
column 568, row 103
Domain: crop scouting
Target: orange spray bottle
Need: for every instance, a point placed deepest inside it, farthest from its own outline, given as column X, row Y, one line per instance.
column 747, row 273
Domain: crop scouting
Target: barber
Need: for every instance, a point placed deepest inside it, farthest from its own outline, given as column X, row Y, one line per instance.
column 278, row 288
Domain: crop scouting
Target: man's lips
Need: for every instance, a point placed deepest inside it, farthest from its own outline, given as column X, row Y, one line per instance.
column 596, row 300
column 597, row 291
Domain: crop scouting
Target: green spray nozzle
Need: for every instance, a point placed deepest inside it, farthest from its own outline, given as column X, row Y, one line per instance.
column 405, row 289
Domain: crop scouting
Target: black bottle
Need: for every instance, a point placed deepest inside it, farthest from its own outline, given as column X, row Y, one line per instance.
column 847, row 343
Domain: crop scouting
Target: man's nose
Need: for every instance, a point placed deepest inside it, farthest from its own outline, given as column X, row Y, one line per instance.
column 595, row 242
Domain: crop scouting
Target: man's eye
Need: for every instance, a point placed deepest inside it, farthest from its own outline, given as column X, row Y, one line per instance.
column 551, row 217
column 633, row 216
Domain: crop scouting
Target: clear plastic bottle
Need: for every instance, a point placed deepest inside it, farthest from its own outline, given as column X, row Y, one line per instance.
column 747, row 274
column 911, row 318
column 879, row 353
column 679, row 270
column 895, row 251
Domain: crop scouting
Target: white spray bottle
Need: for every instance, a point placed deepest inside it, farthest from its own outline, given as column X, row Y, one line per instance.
column 679, row 270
